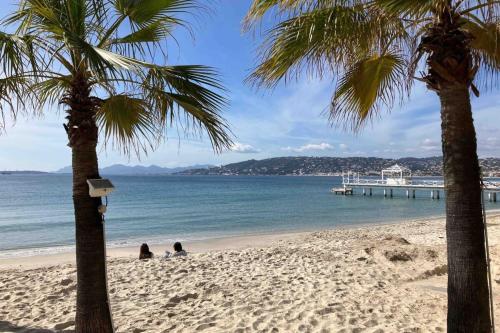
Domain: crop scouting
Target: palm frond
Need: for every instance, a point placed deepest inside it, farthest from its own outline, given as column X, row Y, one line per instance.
column 485, row 45
column 290, row 8
column 15, row 98
column 50, row 90
column 144, row 12
column 375, row 51
column 154, row 32
column 487, row 9
column 260, row 7
column 144, row 42
column 326, row 40
column 16, row 51
column 485, row 42
column 192, row 90
column 127, row 122
column 101, row 60
column 410, row 8
column 181, row 95
column 42, row 15
column 312, row 40
column 372, row 82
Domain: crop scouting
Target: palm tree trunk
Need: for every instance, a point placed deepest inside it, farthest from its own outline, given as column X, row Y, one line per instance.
column 468, row 298
column 92, row 306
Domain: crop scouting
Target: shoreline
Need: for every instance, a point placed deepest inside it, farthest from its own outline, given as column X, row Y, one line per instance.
column 233, row 242
column 385, row 278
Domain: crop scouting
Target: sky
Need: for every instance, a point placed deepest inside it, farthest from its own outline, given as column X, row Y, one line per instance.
column 287, row 121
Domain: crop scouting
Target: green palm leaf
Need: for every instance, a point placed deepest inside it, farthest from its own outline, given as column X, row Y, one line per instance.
column 485, row 42
column 15, row 97
column 314, row 39
column 293, row 7
column 171, row 89
column 50, row 90
column 411, row 8
column 154, row 32
column 143, row 12
column 15, row 50
column 128, row 122
column 367, row 85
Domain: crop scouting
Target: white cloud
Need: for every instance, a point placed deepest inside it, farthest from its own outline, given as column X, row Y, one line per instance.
column 343, row 146
column 311, row 147
column 244, row 148
column 430, row 145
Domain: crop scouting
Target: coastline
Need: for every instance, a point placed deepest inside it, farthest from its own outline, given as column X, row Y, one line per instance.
column 233, row 242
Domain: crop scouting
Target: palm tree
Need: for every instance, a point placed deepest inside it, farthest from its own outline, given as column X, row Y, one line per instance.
column 104, row 61
column 373, row 49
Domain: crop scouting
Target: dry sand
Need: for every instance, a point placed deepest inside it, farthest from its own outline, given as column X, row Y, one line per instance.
column 387, row 278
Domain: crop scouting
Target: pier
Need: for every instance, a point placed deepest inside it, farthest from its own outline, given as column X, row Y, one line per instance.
column 342, row 190
column 399, row 178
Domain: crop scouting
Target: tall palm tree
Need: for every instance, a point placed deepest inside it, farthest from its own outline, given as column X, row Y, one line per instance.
column 373, row 49
column 104, row 61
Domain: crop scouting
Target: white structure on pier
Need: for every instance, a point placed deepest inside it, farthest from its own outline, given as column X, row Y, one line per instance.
column 399, row 177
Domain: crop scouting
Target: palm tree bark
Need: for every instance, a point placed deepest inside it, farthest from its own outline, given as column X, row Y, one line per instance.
column 468, row 298
column 92, row 305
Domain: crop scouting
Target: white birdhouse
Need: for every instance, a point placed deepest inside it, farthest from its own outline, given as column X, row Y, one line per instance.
column 100, row 187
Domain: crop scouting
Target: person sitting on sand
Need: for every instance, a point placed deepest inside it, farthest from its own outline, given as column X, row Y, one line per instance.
column 144, row 252
column 178, row 251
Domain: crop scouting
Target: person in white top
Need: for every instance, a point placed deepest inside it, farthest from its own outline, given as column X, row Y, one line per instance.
column 178, row 251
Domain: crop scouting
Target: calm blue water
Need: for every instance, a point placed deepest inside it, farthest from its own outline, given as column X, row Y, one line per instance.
column 36, row 213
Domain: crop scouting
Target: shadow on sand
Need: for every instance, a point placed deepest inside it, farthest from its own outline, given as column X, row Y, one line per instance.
column 5, row 326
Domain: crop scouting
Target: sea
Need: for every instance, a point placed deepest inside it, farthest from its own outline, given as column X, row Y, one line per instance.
column 36, row 211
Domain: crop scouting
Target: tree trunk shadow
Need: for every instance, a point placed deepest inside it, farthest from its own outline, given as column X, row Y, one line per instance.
column 6, row 326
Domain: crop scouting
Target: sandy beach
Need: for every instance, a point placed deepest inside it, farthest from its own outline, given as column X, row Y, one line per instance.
column 384, row 278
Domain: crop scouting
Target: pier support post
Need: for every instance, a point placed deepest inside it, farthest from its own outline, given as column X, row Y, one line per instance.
column 364, row 191
column 432, row 194
column 385, row 192
column 391, row 192
column 413, row 194
column 370, row 192
column 437, row 194
column 489, row 197
column 408, row 194
column 494, row 196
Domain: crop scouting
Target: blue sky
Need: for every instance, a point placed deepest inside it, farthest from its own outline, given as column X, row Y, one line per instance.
column 284, row 122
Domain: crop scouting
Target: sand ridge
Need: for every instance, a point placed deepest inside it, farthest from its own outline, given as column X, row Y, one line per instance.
column 373, row 279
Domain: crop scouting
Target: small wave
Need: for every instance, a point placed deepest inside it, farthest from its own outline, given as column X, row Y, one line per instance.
column 7, row 254
column 119, row 243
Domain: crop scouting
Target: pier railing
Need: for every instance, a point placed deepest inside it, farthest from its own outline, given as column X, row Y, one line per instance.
column 352, row 181
column 384, row 182
column 492, row 186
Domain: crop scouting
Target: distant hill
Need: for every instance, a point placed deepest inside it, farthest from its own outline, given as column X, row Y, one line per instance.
column 22, row 172
column 429, row 166
column 120, row 169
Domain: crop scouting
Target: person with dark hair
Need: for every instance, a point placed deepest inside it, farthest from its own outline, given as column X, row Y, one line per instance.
column 144, row 252
column 178, row 251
